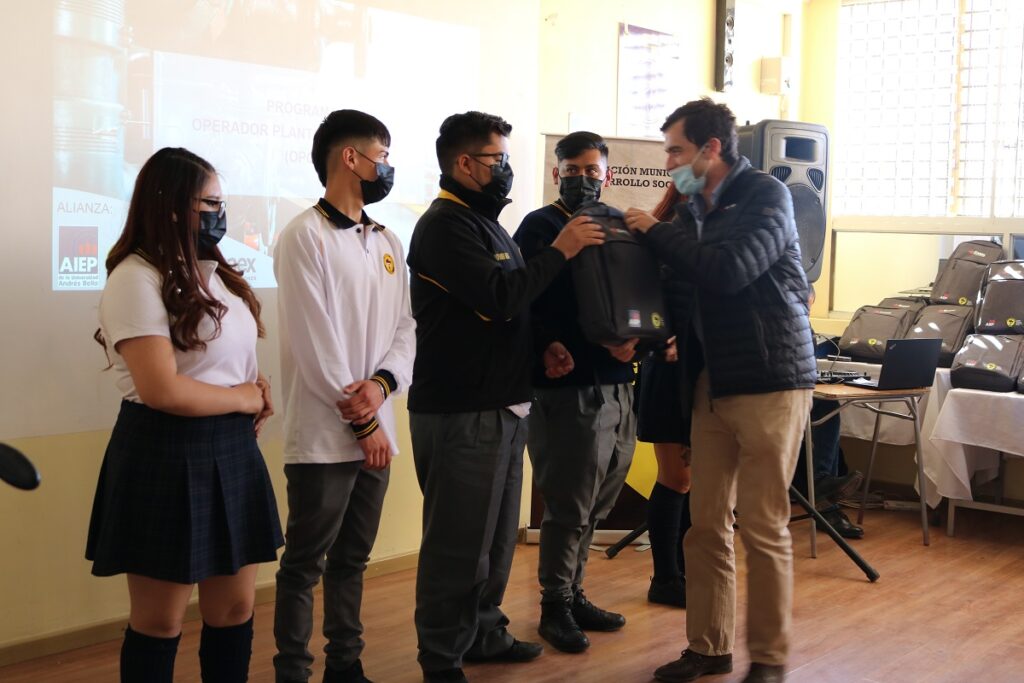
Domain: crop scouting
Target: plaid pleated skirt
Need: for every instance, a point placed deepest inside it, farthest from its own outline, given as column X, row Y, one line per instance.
column 182, row 498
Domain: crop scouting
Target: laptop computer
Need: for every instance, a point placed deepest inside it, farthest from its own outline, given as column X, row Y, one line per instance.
column 906, row 364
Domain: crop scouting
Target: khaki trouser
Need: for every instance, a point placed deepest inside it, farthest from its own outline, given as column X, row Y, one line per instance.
column 745, row 449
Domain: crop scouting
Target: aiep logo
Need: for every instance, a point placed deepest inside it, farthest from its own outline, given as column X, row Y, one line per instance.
column 78, row 250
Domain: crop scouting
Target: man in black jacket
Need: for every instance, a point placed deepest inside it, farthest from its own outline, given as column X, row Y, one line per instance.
column 582, row 426
column 734, row 244
column 470, row 394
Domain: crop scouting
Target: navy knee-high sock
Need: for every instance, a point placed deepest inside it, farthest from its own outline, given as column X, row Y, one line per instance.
column 224, row 653
column 664, row 513
column 146, row 659
column 684, row 525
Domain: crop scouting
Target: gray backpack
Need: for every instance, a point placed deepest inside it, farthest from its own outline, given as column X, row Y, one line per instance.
column 1002, row 304
column 951, row 324
column 992, row 362
column 911, row 303
column 870, row 328
column 960, row 280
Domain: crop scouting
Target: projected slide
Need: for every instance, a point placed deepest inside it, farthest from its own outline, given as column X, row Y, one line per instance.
column 244, row 84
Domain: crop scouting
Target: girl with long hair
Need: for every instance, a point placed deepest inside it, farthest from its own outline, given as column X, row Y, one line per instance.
column 184, row 496
column 661, row 421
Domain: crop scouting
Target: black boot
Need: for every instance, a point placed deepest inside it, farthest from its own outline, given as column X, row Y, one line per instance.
column 145, row 659
column 224, row 653
column 352, row 674
column 590, row 617
column 558, row 627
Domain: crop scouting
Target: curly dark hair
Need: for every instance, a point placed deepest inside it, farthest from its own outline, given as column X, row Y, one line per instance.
column 705, row 120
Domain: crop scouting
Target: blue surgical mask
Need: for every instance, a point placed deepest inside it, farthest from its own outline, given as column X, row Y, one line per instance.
column 684, row 179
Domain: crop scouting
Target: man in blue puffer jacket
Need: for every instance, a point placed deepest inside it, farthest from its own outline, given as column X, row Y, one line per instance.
column 743, row 317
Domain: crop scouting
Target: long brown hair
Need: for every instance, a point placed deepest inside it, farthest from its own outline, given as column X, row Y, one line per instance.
column 162, row 227
column 665, row 210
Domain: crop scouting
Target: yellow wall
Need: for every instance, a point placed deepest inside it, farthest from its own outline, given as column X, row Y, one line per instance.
column 872, row 266
column 819, row 38
column 47, row 586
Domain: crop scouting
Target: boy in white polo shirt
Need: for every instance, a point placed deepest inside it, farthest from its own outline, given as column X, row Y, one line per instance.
column 347, row 343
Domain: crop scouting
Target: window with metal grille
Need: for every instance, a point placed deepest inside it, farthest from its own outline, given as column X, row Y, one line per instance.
column 930, row 108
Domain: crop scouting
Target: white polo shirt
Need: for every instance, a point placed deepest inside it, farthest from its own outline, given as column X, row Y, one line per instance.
column 343, row 300
column 131, row 306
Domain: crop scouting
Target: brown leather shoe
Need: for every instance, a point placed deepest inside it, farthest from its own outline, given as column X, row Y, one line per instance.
column 765, row 673
column 692, row 665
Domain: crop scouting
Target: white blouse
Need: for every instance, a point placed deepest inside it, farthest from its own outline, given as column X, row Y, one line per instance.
column 131, row 306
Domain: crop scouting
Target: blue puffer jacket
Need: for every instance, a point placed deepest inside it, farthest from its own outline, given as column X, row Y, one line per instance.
column 746, row 277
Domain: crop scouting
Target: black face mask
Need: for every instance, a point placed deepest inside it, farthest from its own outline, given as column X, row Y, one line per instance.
column 376, row 190
column 213, row 225
column 578, row 190
column 501, row 179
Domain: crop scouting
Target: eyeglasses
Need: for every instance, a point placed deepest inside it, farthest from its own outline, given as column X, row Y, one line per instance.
column 212, row 204
column 500, row 158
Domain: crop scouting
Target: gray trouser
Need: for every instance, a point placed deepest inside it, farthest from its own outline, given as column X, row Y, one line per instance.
column 333, row 513
column 581, row 445
column 470, row 469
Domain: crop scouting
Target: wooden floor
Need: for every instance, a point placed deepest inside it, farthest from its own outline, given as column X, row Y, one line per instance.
column 951, row 612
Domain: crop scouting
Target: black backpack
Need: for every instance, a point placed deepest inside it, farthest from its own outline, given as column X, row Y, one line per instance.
column 960, row 280
column 992, row 362
column 951, row 324
column 870, row 328
column 1002, row 304
column 618, row 285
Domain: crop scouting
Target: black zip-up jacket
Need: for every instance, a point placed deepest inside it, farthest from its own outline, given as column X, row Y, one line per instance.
column 555, row 313
column 471, row 294
column 747, row 278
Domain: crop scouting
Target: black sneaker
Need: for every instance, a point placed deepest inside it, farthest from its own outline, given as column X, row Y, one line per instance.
column 671, row 592
column 558, row 627
column 590, row 617
column 518, row 653
column 691, row 666
column 353, row 674
column 445, row 676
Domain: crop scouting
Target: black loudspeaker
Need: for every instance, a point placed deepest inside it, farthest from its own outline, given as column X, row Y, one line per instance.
column 797, row 154
column 725, row 30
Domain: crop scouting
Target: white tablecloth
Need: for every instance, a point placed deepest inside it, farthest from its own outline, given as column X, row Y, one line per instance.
column 971, row 429
column 859, row 422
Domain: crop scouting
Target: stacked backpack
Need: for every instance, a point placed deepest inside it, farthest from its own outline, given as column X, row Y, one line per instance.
column 950, row 313
column 993, row 359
